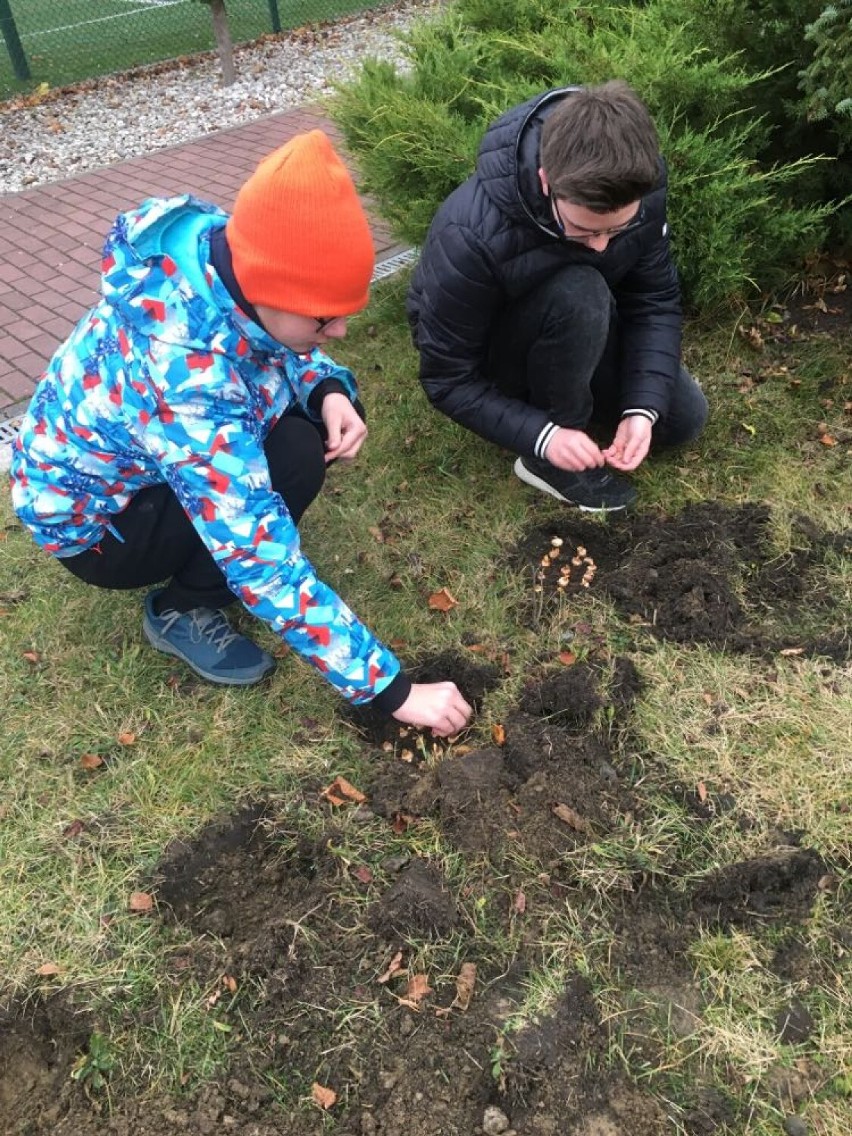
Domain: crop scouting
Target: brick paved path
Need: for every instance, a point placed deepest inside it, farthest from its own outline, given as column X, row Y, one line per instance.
column 51, row 236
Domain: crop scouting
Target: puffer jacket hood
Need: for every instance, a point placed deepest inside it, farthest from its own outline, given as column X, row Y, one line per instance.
column 508, row 161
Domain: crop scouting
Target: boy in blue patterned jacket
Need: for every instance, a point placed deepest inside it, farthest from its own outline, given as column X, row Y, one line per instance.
column 184, row 427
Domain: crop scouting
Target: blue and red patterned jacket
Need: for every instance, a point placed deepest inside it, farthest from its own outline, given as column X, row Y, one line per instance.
column 167, row 380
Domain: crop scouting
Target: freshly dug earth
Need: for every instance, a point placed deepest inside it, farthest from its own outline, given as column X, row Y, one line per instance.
column 306, row 957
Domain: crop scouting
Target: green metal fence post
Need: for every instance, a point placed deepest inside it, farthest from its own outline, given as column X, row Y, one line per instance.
column 274, row 15
column 13, row 40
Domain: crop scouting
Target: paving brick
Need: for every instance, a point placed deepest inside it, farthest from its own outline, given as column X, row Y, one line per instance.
column 53, row 235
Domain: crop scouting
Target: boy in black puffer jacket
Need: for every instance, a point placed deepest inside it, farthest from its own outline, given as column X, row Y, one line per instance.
column 546, row 302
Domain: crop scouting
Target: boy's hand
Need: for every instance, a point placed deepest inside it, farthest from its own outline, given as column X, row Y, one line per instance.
column 631, row 443
column 344, row 426
column 574, row 450
column 436, row 705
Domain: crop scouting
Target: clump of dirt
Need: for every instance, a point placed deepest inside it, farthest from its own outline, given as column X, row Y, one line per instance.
column 782, row 885
column 709, row 574
column 39, row 1044
column 418, row 901
column 547, row 787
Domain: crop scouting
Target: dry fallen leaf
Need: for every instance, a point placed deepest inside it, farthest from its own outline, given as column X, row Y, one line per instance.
column 828, row 440
column 91, row 761
column 140, row 902
column 322, row 1096
column 363, row 874
column 47, row 970
column 418, row 988
column 520, row 904
column 567, row 658
column 498, row 734
column 701, row 789
column 394, row 967
column 465, row 983
column 443, row 600
column 73, row 829
column 126, row 738
column 340, row 791
column 572, row 818
column 788, row 651
column 31, row 657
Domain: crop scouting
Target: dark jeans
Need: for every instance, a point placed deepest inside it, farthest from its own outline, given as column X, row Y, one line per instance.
column 558, row 348
column 159, row 541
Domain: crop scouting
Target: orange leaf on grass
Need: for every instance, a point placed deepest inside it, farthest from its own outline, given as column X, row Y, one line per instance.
column 442, row 600
column 91, row 761
column 141, row 902
column 340, row 791
column 47, row 970
column 567, row 658
column 126, row 738
column 31, row 657
column 498, row 734
column 323, row 1096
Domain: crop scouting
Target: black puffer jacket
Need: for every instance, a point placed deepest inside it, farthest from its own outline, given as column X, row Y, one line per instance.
column 494, row 239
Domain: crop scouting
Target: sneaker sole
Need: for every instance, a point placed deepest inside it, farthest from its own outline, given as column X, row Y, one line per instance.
column 530, row 478
column 167, row 648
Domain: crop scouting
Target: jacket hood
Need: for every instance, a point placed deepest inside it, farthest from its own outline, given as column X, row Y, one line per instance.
column 508, row 160
column 156, row 274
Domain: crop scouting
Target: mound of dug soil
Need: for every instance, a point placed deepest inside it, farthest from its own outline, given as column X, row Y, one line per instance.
column 708, row 575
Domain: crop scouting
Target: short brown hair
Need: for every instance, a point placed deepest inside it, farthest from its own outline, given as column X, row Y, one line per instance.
column 599, row 147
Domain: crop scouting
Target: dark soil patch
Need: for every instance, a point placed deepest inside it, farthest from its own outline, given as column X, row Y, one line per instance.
column 707, row 575
column 782, row 886
column 473, row 678
column 307, row 951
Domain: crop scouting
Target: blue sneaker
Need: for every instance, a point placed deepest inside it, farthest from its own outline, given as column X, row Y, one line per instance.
column 205, row 641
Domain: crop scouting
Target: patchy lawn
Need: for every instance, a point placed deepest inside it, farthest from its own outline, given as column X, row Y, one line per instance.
column 620, row 903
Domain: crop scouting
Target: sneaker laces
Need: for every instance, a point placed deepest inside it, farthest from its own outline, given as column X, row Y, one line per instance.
column 205, row 623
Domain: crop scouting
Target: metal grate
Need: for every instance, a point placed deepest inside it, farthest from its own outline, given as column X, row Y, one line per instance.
column 394, row 264
column 8, row 430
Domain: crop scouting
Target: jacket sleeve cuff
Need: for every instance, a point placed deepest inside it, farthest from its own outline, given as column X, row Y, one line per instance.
column 393, row 695
column 327, row 386
column 641, row 412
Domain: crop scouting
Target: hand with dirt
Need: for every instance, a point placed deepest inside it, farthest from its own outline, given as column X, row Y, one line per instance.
column 574, row 450
column 438, row 706
column 631, row 443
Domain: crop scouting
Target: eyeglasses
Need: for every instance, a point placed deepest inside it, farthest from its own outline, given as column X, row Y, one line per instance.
column 579, row 233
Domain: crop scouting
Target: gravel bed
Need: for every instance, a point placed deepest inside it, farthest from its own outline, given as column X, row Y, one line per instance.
column 107, row 120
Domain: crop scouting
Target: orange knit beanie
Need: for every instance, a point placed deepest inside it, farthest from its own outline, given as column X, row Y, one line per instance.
column 300, row 241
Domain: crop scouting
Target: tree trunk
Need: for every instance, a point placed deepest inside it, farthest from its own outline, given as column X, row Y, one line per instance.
column 224, row 44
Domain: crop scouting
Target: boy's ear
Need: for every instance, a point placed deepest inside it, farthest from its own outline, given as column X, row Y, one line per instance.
column 545, row 185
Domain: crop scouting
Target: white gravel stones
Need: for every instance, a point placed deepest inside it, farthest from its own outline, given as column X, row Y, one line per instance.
column 118, row 117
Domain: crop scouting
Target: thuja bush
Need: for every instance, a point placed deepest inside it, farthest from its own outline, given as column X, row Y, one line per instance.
column 415, row 133
column 827, row 80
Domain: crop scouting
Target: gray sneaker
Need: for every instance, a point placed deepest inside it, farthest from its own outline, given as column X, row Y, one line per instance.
column 592, row 490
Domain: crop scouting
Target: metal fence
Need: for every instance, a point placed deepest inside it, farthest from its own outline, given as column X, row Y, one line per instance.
column 53, row 43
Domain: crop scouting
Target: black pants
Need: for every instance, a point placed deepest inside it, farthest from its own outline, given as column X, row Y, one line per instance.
column 159, row 541
column 558, row 349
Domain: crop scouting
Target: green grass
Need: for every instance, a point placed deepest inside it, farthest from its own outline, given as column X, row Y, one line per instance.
column 66, row 43
column 450, row 512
